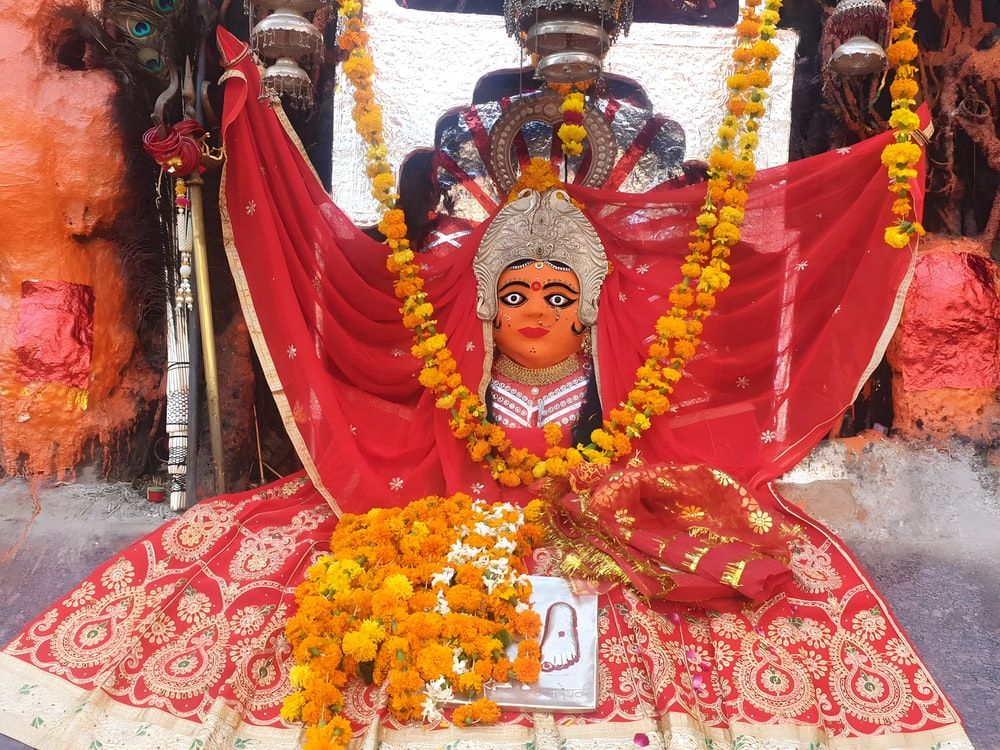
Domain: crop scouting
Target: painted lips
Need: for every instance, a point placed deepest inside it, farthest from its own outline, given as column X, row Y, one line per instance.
column 533, row 333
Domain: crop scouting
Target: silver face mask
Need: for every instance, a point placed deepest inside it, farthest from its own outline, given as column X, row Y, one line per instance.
column 541, row 227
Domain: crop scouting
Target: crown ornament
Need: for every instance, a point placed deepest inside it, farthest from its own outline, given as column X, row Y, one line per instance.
column 541, row 227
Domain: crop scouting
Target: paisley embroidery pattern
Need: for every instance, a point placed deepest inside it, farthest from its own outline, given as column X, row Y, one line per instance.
column 100, row 631
column 189, row 666
column 867, row 687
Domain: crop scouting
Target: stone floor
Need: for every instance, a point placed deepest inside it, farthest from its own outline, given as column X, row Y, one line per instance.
column 925, row 523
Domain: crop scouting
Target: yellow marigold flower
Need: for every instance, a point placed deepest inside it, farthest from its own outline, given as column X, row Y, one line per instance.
column 573, row 102
column 642, row 422
column 446, row 401
column 770, row 17
column 383, row 183
column 707, row 219
column 671, row 326
column 895, row 173
column 359, row 646
column 743, row 169
column 731, row 214
column 291, row 709
column 350, row 8
column 904, row 120
column 726, row 233
column 569, row 132
column 539, row 470
column 738, row 81
column 736, row 197
column 720, row 159
column 436, row 343
column 399, row 585
column 766, row 51
column 572, row 148
column 897, row 237
column 726, row 132
column 299, row 675
column 601, row 439
column 906, row 153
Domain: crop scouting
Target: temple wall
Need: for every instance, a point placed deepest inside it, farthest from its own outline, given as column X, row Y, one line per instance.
column 68, row 349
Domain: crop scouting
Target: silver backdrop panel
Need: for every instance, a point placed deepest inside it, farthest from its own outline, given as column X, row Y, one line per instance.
column 428, row 64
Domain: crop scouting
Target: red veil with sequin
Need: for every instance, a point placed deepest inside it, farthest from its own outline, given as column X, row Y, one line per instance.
column 178, row 640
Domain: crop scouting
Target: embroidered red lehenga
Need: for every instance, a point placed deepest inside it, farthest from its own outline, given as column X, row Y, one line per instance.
column 178, row 641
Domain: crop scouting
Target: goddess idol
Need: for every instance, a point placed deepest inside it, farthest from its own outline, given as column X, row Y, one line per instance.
column 727, row 617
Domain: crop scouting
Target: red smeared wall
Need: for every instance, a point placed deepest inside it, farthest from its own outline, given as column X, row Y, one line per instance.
column 69, row 373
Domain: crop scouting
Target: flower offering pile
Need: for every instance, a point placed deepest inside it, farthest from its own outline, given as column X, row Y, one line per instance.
column 425, row 600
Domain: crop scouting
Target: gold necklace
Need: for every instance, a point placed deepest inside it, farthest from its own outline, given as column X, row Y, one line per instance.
column 544, row 376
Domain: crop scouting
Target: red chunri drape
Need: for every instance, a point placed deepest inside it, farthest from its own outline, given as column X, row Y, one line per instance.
column 815, row 293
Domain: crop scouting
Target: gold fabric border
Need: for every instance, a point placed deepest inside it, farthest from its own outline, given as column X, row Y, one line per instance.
column 48, row 713
column 257, row 334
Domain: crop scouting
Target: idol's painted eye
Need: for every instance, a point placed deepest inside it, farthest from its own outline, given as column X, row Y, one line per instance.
column 513, row 299
column 559, row 300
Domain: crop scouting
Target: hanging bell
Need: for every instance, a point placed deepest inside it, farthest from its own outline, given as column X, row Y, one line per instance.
column 569, row 49
column 858, row 56
column 569, row 37
column 288, row 80
column 286, row 33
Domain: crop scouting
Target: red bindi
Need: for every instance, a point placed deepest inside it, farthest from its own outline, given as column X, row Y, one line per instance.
column 536, row 285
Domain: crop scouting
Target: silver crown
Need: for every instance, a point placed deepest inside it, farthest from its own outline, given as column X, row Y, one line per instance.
column 541, row 227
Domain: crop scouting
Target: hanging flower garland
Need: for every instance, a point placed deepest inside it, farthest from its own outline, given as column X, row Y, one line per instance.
column 678, row 334
column 425, row 599
column 901, row 157
column 572, row 132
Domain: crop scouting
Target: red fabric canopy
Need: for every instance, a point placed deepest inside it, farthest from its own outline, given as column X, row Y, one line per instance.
column 814, row 298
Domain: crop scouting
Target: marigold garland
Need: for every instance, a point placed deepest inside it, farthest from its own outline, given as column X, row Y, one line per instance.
column 901, row 157
column 572, row 131
column 425, row 599
column 705, row 271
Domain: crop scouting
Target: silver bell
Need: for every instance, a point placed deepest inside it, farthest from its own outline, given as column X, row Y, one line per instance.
column 858, row 56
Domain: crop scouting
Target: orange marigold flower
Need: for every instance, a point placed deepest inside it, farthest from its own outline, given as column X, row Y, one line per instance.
column 528, row 624
column 501, row 670
column 902, row 51
column 764, row 50
column 433, row 661
column 482, row 711
column 904, row 88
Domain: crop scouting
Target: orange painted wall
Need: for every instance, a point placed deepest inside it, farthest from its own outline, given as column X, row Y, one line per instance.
column 61, row 187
